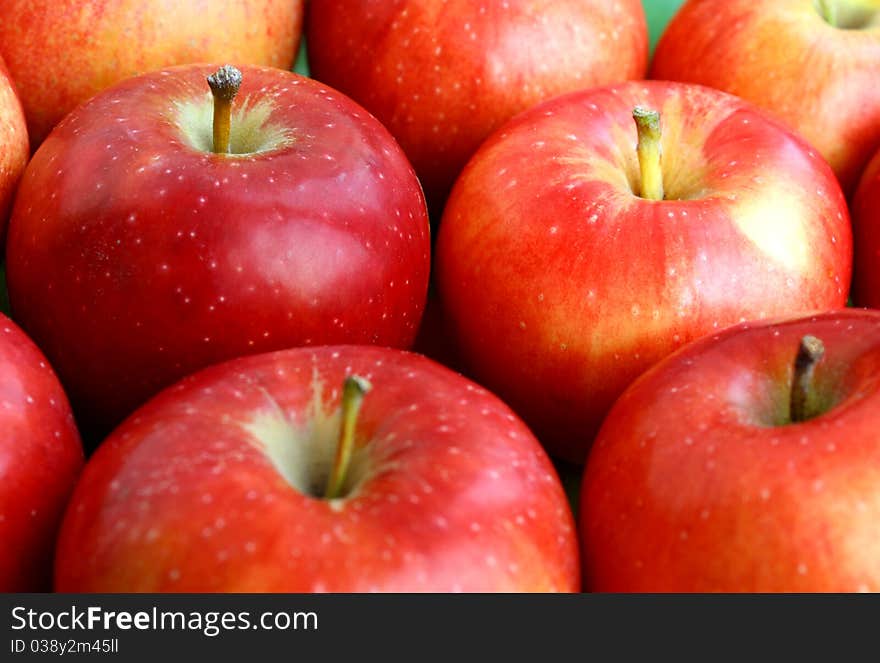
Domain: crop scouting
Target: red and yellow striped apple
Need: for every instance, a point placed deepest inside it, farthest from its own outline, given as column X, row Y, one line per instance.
column 813, row 63
column 61, row 52
column 443, row 76
column 569, row 260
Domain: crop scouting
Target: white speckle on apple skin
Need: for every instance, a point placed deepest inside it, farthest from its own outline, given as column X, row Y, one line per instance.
column 521, row 465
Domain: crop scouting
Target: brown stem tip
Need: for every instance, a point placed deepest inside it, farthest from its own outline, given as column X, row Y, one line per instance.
column 810, row 352
column 224, row 84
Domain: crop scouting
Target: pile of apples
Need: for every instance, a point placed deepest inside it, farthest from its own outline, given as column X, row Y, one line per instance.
column 354, row 330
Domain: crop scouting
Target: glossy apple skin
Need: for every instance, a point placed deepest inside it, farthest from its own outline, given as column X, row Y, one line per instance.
column 40, row 459
column 457, row 494
column 443, row 76
column 561, row 285
column 14, row 151
column 62, row 52
column 134, row 258
column 784, row 57
column 866, row 237
column 693, row 486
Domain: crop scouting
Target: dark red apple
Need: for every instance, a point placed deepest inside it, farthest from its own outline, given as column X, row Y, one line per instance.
column 443, row 76
column 229, row 482
column 62, row 52
column 866, row 237
column 743, row 464
column 137, row 254
column 40, row 459
column 813, row 63
column 568, row 261
column 14, row 151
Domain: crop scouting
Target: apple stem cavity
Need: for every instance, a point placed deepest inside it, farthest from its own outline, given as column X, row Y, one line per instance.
column 224, row 84
column 650, row 152
column 353, row 392
column 810, row 351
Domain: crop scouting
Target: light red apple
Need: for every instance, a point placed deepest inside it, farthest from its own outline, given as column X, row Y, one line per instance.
column 61, row 52
column 219, row 484
column 443, row 76
column 14, row 151
column 813, row 63
column 866, row 237
column 702, row 478
column 561, row 283
column 40, row 459
column 137, row 254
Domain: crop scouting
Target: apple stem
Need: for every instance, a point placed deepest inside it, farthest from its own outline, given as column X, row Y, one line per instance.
column 650, row 152
column 828, row 10
column 353, row 391
column 224, row 84
column 810, row 351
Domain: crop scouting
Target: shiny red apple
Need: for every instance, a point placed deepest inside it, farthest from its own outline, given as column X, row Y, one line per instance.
column 14, row 151
column 567, row 264
column 443, row 76
column 40, row 459
column 230, row 482
column 62, row 52
column 866, row 237
column 743, row 464
column 813, row 63
column 137, row 254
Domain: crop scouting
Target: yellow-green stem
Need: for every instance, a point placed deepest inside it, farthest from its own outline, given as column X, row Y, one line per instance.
column 828, row 10
column 224, row 84
column 810, row 351
column 353, row 392
column 650, row 153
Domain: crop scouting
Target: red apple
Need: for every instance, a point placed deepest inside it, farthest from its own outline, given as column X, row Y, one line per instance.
column 563, row 280
column 13, row 145
column 61, row 52
column 137, row 254
column 729, row 468
column 40, row 459
column 814, row 63
column 443, row 76
column 219, row 484
column 866, row 237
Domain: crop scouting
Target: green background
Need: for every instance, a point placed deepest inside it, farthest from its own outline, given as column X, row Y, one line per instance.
column 659, row 12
